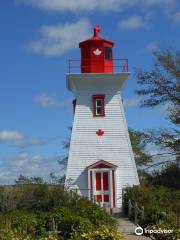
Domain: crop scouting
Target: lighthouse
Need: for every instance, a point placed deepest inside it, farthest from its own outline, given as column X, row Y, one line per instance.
column 100, row 161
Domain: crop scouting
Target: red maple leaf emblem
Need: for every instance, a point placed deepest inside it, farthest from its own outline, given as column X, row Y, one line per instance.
column 100, row 132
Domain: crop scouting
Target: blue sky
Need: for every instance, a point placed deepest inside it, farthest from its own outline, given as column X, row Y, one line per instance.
column 37, row 39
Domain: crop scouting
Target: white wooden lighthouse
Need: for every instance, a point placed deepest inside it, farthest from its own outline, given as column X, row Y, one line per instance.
column 101, row 160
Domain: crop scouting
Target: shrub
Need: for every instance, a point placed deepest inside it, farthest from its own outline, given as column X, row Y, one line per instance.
column 168, row 176
column 35, row 198
column 175, row 235
column 105, row 232
column 156, row 201
column 9, row 198
column 161, row 196
column 64, row 221
column 153, row 216
column 9, row 235
column 93, row 212
column 41, row 209
column 22, row 222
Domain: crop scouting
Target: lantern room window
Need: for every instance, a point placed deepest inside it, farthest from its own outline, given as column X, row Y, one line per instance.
column 99, row 105
column 108, row 53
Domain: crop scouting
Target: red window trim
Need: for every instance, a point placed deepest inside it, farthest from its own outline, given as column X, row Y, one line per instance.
column 95, row 97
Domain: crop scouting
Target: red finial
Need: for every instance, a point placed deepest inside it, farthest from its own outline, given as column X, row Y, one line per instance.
column 97, row 30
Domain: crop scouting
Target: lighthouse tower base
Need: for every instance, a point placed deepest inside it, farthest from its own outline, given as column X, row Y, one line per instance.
column 101, row 161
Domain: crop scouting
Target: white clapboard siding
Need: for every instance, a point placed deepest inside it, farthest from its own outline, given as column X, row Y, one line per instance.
column 86, row 147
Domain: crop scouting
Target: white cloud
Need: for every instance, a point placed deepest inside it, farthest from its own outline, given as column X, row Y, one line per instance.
column 176, row 17
column 169, row 3
column 7, row 135
column 131, row 102
column 153, row 46
column 57, row 39
column 47, row 101
column 27, row 164
column 76, row 6
column 26, row 142
column 134, row 22
column 19, row 140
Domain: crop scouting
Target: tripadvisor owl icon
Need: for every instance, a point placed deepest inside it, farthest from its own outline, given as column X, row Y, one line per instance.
column 138, row 231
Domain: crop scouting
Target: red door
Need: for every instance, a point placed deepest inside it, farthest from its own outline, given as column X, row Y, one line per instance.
column 102, row 186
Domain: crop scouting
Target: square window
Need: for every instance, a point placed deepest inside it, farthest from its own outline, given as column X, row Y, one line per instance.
column 108, row 53
column 98, row 105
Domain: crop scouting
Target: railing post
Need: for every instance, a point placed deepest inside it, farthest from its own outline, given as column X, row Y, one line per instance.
column 129, row 208
column 136, row 213
column 142, row 215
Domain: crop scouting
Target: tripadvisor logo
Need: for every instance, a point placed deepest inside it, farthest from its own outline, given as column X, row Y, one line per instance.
column 138, row 231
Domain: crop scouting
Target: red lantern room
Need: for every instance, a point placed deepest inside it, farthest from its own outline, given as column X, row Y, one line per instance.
column 96, row 54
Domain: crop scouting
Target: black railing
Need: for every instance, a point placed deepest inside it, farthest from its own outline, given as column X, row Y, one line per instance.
column 133, row 211
column 119, row 65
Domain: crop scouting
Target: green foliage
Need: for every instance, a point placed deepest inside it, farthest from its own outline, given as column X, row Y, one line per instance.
column 8, row 198
column 103, row 233
column 64, row 220
column 161, row 86
column 168, row 176
column 22, row 222
column 62, row 161
column 21, row 180
column 162, row 207
column 162, row 82
column 10, row 235
column 40, row 210
column 93, row 212
column 35, row 198
column 175, row 235
column 139, row 143
column 153, row 216
column 151, row 195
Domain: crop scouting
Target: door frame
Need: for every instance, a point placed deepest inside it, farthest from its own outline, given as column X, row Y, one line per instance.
column 102, row 166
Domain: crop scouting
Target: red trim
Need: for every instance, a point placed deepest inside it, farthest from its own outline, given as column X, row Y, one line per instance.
column 95, row 97
column 105, row 181
column 106, row 164
column 99, row 198
column 98, row 181
column 101, row 165
column 106, row 198
column 113, row 182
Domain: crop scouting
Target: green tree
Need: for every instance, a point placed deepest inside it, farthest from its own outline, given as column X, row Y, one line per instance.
column 139, row 144
column 22, row 180
column 62, row 161
column 142, row 157
column 161, row 86
column 168, row 176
